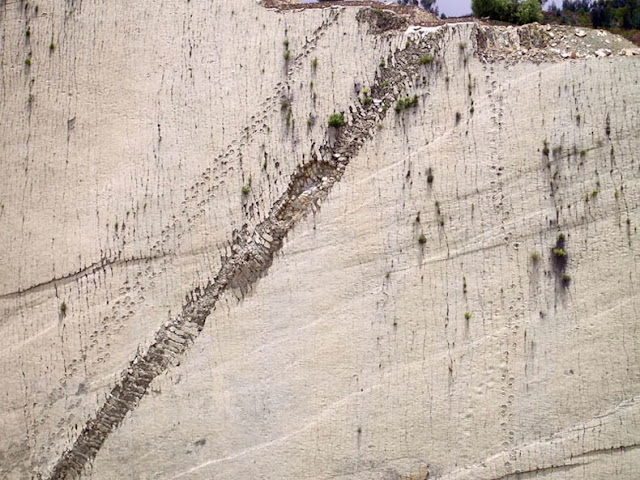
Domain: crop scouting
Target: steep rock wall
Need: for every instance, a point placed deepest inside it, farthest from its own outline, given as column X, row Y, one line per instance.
column 403, row 329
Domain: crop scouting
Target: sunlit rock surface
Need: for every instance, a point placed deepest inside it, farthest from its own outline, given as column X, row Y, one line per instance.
column 200, row 279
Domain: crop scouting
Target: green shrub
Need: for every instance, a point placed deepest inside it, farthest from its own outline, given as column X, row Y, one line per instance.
column 559, row 252
column 528, row 11
column 52, row 46
column 535, row 257
column 336, row 120
column 287, row 54
column 467, row 315
column 63, row 308
column 520, row 11
column 406, row 102
column 422, row 239
column 426, row 59
column 314, row 63
column 246, row 189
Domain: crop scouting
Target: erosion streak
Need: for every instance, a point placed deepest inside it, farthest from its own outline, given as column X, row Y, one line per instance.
column 253, row 253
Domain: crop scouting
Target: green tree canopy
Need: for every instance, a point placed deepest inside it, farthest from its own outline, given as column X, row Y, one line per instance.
column 523, row 11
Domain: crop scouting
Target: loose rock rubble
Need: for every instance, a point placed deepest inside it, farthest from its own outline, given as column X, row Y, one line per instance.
column 538, row 43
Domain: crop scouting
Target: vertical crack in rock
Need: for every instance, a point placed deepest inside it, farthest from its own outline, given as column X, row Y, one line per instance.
column 253, row 254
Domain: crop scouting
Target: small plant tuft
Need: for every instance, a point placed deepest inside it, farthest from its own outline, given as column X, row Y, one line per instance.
column 467, row 316
column 559, row 252
column 314, row 63
column 565, row 279
column 422, row 239
column 535, row 257
column 406, row 102
column 246, row 189
column 462, row 45
column 426, row 59
column 27, row 61
column 63, row 308
column 287, row 55
column 336, row 120
column 52, row 46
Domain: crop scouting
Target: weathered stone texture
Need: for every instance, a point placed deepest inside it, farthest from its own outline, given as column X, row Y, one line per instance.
column 382, row 303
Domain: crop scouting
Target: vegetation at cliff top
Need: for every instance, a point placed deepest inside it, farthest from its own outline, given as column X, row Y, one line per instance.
column 513, row 11
column 619, row 16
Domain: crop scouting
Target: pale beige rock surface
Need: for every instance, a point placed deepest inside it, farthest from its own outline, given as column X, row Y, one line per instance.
column 124, row 153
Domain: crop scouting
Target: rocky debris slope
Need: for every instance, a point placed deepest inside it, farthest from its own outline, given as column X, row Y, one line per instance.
column 538, row 43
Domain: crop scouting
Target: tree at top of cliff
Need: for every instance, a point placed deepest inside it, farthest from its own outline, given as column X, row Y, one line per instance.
column 515, row 11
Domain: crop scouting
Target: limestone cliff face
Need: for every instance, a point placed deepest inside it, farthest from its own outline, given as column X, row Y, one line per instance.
column 200, row 279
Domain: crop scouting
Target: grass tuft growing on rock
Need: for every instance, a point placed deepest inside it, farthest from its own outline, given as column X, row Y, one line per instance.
column 426, row 59
column 336, row 120
column 406, row 102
